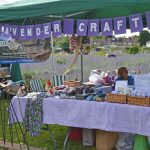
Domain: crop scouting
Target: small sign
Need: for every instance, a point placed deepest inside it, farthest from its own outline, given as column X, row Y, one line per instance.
column 142, row 82
column 121, row 84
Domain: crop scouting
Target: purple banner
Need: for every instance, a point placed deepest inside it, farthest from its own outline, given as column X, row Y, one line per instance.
column 81, row 29
column 120, row 25
column 136, row 24
column 5, row 31
column 93, row 27
column 22, row 33
column 106, row 27
column 14, row 32
column 56, row 26
column 30, row 34
column 68, row 26
column 38, row 31
column 47, row 30
column 148, row 19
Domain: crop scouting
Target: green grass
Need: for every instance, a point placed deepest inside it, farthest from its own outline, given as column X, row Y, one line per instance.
column 42, row 141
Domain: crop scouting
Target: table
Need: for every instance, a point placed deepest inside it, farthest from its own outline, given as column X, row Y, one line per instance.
column 90, row 114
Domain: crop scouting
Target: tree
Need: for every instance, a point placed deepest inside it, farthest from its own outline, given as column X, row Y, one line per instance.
column 144, row 37
column 63, row 42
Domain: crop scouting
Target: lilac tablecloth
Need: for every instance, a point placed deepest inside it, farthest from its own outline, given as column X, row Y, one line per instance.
column 92, row 115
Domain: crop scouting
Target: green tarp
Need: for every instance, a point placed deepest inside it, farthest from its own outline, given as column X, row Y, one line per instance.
column 95, row 9
column 16, row 73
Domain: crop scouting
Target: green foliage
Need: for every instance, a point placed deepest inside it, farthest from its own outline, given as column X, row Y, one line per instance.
column 133, row 50
column 101, row 53
column 61, row 62
column 144, row 37
column 63, row 42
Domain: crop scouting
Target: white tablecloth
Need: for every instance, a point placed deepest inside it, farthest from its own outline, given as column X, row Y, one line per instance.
column 92, row 115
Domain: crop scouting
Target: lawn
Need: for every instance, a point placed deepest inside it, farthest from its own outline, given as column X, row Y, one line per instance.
column 42, row 141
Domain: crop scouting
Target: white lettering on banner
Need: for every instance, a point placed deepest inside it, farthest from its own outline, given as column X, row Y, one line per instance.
column 6, row 30
column 56, row 28
column 46, row 30
column 135, row 21
column 14, row 31
column 38, row 31
column 93, row 27
column 106, row 27
column 22, row 31
column 29, row 31
column 81, row 27
column 119, row 24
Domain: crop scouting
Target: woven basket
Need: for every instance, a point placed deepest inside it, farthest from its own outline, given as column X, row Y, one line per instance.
column 116, row 98
column 141, row 101
column 72, row 83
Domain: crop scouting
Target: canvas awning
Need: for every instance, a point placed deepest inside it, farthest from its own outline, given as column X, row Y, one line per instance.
column 52, row 9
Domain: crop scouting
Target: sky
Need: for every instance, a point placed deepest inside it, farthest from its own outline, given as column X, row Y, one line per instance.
column 2, row 2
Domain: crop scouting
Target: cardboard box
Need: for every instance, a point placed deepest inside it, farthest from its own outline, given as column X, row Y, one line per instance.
column 106, row 140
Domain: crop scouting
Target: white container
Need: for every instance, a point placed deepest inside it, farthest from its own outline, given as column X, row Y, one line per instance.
column 88, row 137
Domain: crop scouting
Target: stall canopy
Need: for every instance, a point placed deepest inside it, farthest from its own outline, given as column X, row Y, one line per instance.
column 91, row 9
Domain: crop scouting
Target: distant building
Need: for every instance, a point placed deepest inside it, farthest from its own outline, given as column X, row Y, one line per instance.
column 148, row 44
column 122, row 41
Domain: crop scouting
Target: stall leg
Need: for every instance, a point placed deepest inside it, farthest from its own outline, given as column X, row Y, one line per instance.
column 66, row 139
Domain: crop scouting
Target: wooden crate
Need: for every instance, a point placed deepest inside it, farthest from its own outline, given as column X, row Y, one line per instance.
column 116, row 98
column 141, row 101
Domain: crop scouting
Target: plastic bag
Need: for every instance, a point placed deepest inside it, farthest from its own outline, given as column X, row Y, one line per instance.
column 96, row 79
column 125, row 141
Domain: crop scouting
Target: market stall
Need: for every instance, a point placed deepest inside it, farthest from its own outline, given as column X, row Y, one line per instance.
column 24, row 17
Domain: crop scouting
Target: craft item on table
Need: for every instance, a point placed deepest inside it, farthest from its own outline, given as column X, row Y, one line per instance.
column 72, row 83
column 34, row 114
column 106, row 89
column 6, row 83
column 49, row 88
column 21, row 92
column 81, row 96
column 62, row 95
column 96, row 79
column 107, row 78
column 61, row 87
column 90, row 98
column 140, row 93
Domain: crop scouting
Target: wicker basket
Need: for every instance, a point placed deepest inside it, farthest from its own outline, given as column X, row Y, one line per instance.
column 141, row 101
column 116, row 98
column 72, row 83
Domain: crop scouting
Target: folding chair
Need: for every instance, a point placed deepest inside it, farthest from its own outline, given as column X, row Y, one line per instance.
column 36, row 85
column 58, row 79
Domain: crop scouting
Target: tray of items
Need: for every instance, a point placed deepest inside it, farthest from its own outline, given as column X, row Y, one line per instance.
column 72, row 83
column 116, row 98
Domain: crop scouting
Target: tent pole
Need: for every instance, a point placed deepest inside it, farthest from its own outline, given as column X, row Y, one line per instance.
column 81, row 67
column 52, row 46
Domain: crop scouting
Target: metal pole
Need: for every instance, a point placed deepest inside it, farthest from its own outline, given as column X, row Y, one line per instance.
column 52, row 46
column 81, row 67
